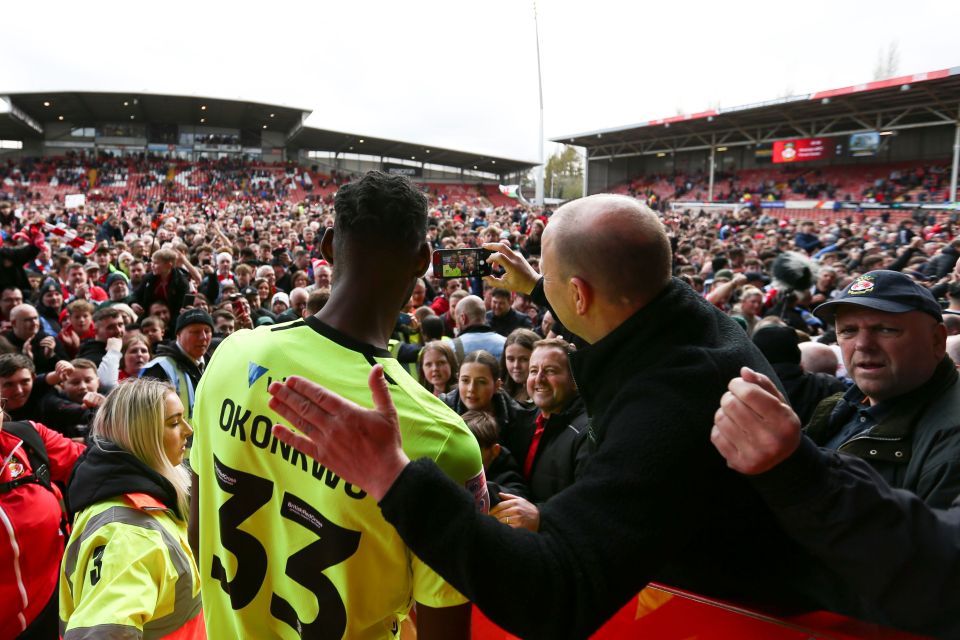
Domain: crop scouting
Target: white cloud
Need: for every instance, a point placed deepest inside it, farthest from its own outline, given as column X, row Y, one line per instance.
column 463, row 74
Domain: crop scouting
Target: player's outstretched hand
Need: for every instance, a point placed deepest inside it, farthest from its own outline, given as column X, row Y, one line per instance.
column 754, row 428
column 519, row 276
column 362, row 446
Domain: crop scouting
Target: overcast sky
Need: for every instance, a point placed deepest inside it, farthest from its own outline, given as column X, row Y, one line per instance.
column 463, row 75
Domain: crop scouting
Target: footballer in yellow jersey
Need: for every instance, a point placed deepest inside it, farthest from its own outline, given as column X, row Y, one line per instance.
column 287, row 549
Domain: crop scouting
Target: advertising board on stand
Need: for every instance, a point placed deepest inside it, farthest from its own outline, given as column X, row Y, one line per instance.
column 802, row 150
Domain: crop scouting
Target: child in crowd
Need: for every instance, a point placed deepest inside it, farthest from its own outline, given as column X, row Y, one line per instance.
column 78, row 327
column 501, row 469
column 154, row 328
column 71, row 408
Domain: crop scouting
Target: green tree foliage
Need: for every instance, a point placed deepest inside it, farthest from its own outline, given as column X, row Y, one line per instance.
column 563, row 176
column 888, row 62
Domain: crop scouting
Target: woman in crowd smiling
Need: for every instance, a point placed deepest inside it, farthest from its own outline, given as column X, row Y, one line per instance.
column 479, row 389
column 515, row 364
column 437, row 367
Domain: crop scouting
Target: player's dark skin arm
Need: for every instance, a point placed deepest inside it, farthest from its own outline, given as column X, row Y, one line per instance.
column 447, row 622
column 193, row 526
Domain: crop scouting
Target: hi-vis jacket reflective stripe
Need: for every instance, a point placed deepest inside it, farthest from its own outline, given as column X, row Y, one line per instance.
column 181, row 382
column 128, row 573
column 393, row 345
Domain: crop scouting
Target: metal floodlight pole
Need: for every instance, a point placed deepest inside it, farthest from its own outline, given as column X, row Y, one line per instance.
column 713, row 151
column 586, row 171
column 542, row 168
column 956, row 161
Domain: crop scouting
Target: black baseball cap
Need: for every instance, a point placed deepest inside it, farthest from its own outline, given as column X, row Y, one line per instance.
column 889, row 291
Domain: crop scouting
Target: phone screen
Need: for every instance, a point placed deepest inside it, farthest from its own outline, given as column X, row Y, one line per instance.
column 461, row 263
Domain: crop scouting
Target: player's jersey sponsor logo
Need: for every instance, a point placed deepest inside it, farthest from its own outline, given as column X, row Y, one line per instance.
column 254, row 373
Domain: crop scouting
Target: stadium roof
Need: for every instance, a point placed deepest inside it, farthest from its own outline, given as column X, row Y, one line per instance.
column 88, row 108
column 26, row 115
column 919, row 100
column 339, row 142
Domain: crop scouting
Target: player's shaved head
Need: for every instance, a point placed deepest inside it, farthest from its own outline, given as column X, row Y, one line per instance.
column 613, row 242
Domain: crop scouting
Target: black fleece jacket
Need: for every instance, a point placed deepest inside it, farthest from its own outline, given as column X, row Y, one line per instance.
column 899, row 556
column 656, row 500
column 105, row 470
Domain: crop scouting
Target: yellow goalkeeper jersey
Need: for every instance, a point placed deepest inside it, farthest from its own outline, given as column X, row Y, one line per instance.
column 287, row 548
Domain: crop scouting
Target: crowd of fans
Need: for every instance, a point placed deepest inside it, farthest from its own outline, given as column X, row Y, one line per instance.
column 165, row 284
column 252, row 262
column 893, row 183
column 144, row 178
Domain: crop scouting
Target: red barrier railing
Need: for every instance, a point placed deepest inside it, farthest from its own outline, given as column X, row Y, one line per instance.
column 665, row 613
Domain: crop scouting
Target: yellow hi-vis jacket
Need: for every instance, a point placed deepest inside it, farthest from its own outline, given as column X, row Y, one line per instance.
column 128, row 572
column 393, row 345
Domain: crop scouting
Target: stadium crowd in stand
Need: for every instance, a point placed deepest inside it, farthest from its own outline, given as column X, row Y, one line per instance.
column 902, row 182
column 237, row 246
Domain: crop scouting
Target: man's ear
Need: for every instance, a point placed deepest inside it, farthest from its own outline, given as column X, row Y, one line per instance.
column 582, row 295
column 326, row 245
column 424, row 255
column 940, row 340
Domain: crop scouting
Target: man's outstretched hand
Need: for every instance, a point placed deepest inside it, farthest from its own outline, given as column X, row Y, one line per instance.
column 362, row 446
column 754, row 429
column 517, row 512
column 518, row 275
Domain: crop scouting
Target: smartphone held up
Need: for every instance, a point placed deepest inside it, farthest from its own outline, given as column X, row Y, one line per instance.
column 461, row 263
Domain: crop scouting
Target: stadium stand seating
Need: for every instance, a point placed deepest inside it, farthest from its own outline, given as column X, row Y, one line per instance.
column 147, row 179
column 492, row 193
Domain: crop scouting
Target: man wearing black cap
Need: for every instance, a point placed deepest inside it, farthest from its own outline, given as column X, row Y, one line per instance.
column 49, row 305
column 903, row 413
column 900, row 557
column 182, row 363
